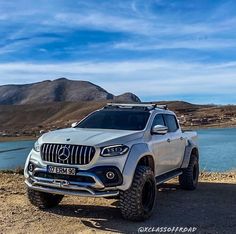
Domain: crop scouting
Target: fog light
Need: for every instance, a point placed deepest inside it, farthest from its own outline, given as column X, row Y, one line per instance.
column 31, row 167
column 110, row 175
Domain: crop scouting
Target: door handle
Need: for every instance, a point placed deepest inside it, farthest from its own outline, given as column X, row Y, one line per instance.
column 168, row 140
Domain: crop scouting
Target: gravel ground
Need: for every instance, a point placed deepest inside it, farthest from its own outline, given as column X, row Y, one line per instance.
column 211, row 209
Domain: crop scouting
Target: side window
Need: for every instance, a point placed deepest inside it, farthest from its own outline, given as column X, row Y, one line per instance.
column 171, row 123
column 158, row 120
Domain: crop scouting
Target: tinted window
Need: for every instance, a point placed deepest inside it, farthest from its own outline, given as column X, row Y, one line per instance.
column 171, row 123
column 158, row 120
column 120, row 119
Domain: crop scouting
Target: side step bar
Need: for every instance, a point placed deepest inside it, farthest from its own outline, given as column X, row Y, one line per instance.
column 167, row 176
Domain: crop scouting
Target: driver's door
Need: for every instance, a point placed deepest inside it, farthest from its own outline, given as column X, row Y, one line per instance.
column 160, row 145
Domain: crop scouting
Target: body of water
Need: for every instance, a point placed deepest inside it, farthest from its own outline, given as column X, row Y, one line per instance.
column 217, row 150
column 13, row 154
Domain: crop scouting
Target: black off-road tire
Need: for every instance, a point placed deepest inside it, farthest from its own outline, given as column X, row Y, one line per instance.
column 189, row 179
column 138, row 202
column 43, row 200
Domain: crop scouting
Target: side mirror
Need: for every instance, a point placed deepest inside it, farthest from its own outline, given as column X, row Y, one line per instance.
column 159, row 130
column 73, row 125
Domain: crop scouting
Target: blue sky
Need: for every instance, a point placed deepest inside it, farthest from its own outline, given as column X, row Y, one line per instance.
column 158, row 49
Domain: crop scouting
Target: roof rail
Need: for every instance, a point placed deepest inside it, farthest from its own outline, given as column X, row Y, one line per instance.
column 148, row 106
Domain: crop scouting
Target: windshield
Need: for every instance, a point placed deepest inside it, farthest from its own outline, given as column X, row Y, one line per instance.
column 119, row 119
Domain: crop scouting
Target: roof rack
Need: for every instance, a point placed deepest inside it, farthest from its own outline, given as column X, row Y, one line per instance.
column 148, row 106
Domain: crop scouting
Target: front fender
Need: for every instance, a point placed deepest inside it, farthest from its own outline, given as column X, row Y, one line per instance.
column 136, row 153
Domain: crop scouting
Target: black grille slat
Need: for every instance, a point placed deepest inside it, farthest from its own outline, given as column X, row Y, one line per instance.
column 78, row 154
column 86, row 153
column 46, row 153
column 58, row 147
column 42, row 148
column 71, row 154
column 82, row 156
column 50, row 155
column 90, row 149
column 53, row 150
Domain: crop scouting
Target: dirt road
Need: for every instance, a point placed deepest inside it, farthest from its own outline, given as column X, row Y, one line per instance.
column 211, row 209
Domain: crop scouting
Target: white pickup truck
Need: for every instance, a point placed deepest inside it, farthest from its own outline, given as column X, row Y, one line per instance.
column 121, row 151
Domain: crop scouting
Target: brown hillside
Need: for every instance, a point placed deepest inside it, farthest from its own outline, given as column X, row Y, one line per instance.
column 59, row 90
column 32, row 118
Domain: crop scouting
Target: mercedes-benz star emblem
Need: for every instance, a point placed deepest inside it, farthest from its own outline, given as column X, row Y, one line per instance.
column 63, row 153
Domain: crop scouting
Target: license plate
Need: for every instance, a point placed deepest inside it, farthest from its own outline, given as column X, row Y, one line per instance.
column 62, row 170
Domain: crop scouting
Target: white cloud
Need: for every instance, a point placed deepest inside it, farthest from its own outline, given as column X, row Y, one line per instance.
column 150, row 25
column 17, row 46
column 98, row 20
column 203, row 44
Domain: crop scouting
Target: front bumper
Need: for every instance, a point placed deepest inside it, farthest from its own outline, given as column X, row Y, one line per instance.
column 85, row 183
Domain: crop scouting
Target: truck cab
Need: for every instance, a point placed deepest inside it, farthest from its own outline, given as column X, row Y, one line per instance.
column 121, row 150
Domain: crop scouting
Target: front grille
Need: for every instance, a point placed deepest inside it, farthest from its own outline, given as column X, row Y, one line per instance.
column 67, row 154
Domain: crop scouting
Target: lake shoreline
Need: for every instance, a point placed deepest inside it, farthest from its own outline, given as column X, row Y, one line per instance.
column 208, row 127
column 20, row 138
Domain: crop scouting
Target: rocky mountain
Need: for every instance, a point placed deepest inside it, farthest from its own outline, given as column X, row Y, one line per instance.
column 59, row 90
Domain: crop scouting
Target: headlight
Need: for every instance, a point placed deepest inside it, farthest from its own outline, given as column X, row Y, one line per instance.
column 36, row 146
column 114, row 150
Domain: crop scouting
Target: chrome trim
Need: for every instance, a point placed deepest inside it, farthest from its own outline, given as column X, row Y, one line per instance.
column 80, row 191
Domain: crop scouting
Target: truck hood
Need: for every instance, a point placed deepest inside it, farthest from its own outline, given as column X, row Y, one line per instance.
column 91, row 137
